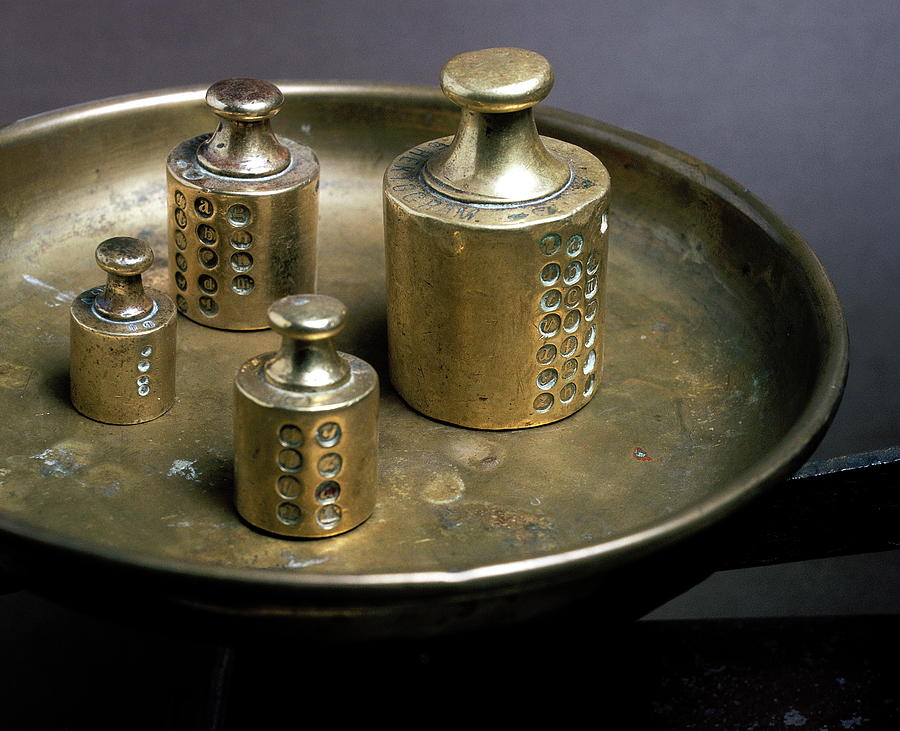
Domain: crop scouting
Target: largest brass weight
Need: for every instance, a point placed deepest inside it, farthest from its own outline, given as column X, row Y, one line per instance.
column 523, row 346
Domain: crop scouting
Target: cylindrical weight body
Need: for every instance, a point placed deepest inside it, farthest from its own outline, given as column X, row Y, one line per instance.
column 238, row 244
column 122, row 372
column 495, row 312
column 306, row 462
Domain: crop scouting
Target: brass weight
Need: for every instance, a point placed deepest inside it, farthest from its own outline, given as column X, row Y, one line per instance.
column 122, row 339
column 496, row 248
column 243, row 212
column 305, row 427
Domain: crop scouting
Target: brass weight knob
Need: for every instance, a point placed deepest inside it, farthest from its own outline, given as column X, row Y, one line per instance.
column 244, row 145
column 497, row 155
column 243, row 211
column 122, row 340
column 496, row 246
column 124, row 260
column 305, row 429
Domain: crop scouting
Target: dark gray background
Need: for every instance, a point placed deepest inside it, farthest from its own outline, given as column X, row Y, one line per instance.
column 796, row 100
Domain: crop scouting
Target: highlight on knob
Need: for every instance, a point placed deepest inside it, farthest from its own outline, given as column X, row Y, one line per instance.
column 305, row 427
column 242, row 211
column 122, row 340
column 509, row 229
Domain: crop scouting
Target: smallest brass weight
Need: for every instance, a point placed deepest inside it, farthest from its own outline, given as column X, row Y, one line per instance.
column 305, row 428
column 122, row 338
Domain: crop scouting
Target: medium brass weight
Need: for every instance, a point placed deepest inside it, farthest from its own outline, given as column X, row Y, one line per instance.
column 496, row 249
column 243, row 212
column 305, row 427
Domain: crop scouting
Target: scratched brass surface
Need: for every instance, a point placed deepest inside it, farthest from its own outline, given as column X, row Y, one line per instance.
column 725, row 359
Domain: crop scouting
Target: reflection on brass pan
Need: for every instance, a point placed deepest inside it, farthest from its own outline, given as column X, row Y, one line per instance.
column 122, row 340
column 243, row 211
column 496, row 245
column 305, row 427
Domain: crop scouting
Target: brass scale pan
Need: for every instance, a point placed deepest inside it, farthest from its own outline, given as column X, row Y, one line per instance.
column 726, row 354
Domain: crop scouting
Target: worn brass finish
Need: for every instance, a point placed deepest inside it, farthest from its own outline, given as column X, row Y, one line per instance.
column 122, row 340
column 726, row 356
column 496, row 245
column 243, row 212
column 306, row 427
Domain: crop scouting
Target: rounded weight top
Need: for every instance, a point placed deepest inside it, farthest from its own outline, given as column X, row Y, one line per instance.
column 497, row 79
column 308, row 316
column 247, row 100
column 124, row 256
